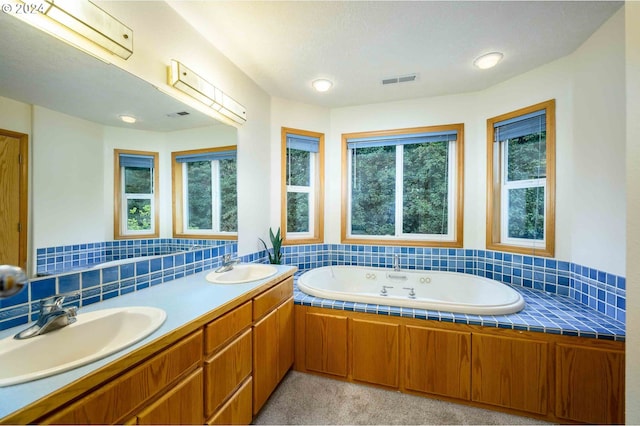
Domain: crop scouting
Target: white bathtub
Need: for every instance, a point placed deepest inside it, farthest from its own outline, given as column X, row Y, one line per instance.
column 435, row 290
column 127, row 260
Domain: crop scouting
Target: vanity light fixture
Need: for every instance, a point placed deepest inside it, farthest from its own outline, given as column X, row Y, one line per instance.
column 322, row 84
column 488, row 60
column 128, row 119
column 187, row 81
column 79, row 17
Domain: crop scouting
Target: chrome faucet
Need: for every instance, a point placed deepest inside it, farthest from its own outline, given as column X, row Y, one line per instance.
column 227, row 263
column 396, row 262
column 52, row 317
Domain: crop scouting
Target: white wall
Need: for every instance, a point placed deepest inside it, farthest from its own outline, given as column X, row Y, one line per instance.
column 67, row 172
column 632, row 29
column 590, row 193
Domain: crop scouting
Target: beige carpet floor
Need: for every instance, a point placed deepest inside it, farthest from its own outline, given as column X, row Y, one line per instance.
column 304, row 399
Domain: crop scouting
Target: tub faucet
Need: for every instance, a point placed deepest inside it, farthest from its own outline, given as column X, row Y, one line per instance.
column 227, row 263
column 52, row 317
column 384, row 291
column 396, row 262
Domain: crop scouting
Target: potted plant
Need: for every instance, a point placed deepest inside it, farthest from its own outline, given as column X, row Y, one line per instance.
column 276, row 242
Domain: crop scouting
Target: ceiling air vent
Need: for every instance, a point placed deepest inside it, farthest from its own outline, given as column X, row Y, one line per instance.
column 400, row 79
column 178, row 114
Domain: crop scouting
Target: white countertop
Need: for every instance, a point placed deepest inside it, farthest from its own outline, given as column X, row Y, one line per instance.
column 184, row 300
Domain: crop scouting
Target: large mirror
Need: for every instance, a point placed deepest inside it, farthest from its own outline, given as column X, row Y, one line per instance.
column 70, row 103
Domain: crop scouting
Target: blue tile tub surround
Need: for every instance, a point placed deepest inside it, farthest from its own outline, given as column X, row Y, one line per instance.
column 544, row 312
column 598, row 290
column 100, row 284
column 60, row 259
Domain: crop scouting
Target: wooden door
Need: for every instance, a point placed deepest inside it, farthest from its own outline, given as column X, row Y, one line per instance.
column 13, row 198
column 438, row 361
column 285, row 338
column 375, row 352
column 590, row 384
column 326, row 344
column 265, row 359
column 510, row 373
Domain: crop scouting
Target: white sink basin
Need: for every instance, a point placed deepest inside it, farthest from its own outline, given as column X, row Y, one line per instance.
column 242, row 273
column 93, row 336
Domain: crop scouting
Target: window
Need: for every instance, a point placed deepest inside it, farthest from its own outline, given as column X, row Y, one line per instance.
column 521, row 180
column 302, row 186
column 205, row 201
column 136, row 194
column 403, row 187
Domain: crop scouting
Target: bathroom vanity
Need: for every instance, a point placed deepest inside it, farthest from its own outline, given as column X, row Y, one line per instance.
column 219, row 367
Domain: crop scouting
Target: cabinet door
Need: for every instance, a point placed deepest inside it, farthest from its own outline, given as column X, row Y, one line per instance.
column 226, row 370
column 182, row 405
column 375, row 352
column 265, row 359
column 438, row 361
column 589, row 384
column 510, row 373
column 237, row 410
column 326, row 344
column 285, row 338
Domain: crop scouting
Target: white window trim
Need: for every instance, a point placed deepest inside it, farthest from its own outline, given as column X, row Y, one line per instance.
column 311, row 191
column 506, row 185
column 124, row 213
column 399, row 193
column 215, row 204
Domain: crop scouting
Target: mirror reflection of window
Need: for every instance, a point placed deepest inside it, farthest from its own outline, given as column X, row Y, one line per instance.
column 205, row 193
column 136, row 189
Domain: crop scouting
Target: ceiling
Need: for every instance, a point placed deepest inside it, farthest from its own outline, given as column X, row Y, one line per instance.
column 284, row 46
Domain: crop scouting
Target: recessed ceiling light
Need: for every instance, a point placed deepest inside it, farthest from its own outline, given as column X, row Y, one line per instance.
column 128, row 119
column 488, row 61
column 322, row 84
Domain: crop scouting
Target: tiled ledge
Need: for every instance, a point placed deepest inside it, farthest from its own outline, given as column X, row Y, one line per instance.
column 544, row 312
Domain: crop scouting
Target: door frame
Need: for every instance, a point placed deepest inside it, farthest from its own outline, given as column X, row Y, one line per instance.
column 24, row 193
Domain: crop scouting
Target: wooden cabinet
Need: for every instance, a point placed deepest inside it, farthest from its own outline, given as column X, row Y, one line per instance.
column 548, row 376
column 237, row 410
column 510, row 373
column 326, row 343
column 438, row 361
column 375, row 347
column 272, row 340
column 182, row 405
column 117, row 401
column 590, row 384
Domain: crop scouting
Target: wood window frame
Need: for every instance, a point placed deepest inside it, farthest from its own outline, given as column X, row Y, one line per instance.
column 493, row 232
column 458, row 196
column 117, row 198
column 178, row 213
column 318, row 198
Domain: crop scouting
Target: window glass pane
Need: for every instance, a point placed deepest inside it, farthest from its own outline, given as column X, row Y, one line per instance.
column 526, row 213
column 199, row 198
column 425, row 188
column 298, row 167
column 228, row 196
column 527, row 157
column 138, row 214
column 373, row 191
column 138, row 180
column 297, row 212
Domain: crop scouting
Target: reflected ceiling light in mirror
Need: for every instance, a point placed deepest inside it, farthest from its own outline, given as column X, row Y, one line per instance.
column 488, row 60
column 187, row 81
column 69, row 19
column 322, row 84
column 128, row 119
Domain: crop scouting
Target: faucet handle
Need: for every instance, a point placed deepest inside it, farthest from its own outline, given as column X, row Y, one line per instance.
column 54, row 303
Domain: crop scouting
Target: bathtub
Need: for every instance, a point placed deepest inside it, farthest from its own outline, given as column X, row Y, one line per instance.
column 123, row 261
column 435, row 290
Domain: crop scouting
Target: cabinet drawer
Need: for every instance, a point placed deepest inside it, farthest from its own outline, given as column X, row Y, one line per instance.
column 271, row 298
column 224, row 328
column 237, row 411
column 226, row 370
column 182, row 405
column 121, row 396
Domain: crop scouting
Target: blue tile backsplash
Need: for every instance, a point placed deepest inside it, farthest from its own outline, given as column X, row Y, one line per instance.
column 595, row 290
